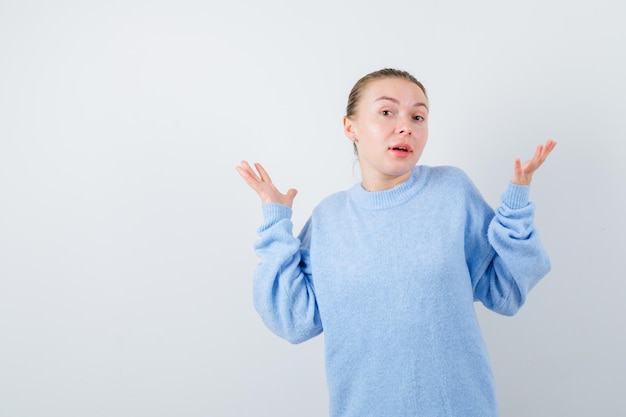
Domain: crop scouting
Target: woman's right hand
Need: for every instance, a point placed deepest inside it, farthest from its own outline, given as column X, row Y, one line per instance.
column 262, row 184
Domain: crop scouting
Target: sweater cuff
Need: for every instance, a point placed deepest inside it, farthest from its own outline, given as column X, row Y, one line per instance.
column 516, row 196
column 274, row 212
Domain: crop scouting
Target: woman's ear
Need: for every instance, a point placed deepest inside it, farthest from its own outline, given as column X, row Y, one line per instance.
column 349, row 129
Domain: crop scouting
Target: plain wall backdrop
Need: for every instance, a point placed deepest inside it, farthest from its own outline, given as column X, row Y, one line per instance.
column 126, row 236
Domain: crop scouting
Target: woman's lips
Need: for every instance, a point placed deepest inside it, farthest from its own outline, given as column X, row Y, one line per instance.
column 401, row 150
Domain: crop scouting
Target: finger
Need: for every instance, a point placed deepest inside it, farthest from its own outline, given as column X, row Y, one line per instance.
column 537, row 159
column 517, row 167
column 519, row 176
column 538, row 153
column 250, row 177
column 541, row 153
column 264, row 175
column 246, row 171
column 247, row 167
column 242, row 171
column 545, row 151
column 548, row 147
column 243, row 165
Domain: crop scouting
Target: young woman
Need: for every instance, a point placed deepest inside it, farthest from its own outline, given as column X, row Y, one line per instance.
column 390, row 268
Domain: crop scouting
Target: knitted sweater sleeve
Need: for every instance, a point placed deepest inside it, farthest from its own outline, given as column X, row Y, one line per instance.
column 518, row 259
column 282, row 290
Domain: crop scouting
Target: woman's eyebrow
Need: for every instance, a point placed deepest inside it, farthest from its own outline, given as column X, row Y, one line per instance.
column 395, row 100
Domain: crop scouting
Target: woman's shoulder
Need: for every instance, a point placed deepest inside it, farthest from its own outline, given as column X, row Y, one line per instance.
column 330, row 209
column 449, row 173
column 335, row 199
column 457, row 184
column 447, row 170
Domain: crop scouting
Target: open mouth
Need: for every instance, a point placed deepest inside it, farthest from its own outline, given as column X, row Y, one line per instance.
column 401, row 148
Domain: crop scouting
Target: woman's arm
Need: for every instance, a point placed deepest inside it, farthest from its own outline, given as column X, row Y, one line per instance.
column 282, row 290
column 519, row 259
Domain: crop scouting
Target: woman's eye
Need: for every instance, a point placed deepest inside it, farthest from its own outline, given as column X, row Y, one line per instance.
column 386, row 112
column 419, row 118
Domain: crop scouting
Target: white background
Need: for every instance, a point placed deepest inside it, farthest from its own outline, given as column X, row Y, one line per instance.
column 126, row 236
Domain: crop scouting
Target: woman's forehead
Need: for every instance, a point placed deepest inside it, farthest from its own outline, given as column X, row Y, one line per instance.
column 393, row 89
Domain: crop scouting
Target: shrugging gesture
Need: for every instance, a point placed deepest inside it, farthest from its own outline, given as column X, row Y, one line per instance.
column 393, row 265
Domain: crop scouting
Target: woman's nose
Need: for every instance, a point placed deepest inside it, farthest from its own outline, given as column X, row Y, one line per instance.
column 404, row 127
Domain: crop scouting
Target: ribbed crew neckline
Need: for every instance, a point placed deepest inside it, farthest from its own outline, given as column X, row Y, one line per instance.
column 379, row 200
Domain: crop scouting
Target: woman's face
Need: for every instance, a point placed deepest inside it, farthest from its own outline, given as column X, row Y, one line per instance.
column 391, row 128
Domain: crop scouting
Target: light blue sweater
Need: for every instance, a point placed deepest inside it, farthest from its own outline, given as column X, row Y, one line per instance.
column 391, row 278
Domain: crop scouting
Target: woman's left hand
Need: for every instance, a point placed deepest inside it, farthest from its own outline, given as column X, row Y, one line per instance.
column 523, row 173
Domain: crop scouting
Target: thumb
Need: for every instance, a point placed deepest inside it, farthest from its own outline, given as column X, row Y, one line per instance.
column 291, row 193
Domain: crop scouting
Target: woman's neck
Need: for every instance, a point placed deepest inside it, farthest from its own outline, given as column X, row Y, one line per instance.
column 383, row 182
